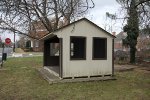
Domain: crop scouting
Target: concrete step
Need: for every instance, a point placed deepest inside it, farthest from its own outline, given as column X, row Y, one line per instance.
column 51, row 78
column 53, row 70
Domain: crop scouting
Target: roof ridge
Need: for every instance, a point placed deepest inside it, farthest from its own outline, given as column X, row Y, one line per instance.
column 77, row 22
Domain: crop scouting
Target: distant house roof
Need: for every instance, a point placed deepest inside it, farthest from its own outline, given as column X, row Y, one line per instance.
column 123, row 35
column 120, row 36
column 85, row 19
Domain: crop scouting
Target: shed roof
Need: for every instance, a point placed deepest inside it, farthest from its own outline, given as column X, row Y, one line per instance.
column 85, row 19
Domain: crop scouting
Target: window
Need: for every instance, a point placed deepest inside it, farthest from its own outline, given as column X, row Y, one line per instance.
column 54, row 49
column 99, row 48
column 77, row 48
column 37, row 44
column 28, row 44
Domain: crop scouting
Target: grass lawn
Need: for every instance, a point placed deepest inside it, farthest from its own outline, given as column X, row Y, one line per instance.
column 20, row 80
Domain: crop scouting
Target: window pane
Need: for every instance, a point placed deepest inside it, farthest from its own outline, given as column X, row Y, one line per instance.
column 77, row 48
column 72, row 47
column 54, row 49
column 99, row 48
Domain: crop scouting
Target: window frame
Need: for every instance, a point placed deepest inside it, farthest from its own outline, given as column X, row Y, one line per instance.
column 84, row 57
column 105, row 58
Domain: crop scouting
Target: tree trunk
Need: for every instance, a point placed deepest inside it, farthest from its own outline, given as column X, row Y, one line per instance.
column 133, row 29
column 132, row 54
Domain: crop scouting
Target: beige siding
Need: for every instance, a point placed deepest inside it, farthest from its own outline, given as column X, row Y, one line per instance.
column 88, row 67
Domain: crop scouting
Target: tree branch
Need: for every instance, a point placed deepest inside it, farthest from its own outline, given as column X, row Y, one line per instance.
column 141, row 2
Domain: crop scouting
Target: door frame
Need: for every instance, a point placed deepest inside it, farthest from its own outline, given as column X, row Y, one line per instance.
column 61, row 58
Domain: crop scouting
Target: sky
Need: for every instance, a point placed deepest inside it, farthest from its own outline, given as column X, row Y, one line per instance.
column 96, row 15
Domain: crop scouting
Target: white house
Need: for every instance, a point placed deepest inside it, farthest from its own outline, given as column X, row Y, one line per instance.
column 80, row 49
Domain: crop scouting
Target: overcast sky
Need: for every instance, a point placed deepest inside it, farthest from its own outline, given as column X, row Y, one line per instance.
column 98, row 14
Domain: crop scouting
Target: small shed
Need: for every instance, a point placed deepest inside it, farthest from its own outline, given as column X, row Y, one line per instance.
column 80, row 49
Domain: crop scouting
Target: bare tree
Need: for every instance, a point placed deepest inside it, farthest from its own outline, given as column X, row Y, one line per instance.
column 138, row 16
column 19, row 15
column 142, row 7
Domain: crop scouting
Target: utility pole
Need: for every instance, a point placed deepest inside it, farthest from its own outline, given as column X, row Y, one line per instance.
column 14, row 41
column 2, row 54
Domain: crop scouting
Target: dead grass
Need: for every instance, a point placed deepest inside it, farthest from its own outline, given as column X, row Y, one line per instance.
column 21, row 81
column 19, row 50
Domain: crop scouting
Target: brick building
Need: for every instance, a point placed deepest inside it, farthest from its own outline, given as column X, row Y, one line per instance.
column 38, row 31
column 143, row 42
column 118, row 42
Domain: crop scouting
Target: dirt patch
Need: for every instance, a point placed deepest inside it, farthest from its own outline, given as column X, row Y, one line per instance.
column 122, row 68
column 143, row 69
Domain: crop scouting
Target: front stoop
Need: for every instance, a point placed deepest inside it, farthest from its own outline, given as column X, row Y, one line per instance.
column 51, row 78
